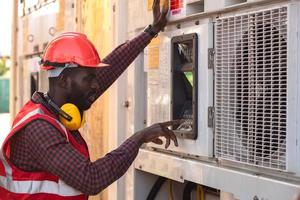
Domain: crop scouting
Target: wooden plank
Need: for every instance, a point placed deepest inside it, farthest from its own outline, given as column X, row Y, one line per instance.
column 60, row 20
column 94, row 19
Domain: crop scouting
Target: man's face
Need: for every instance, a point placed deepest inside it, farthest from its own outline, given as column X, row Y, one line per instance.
column 82, row 88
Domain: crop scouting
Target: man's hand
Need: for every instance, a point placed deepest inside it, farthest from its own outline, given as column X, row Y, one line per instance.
column 152, row 133
column 159, row 16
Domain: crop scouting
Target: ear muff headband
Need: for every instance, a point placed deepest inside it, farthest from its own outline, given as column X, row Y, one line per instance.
column 69, row 114
column 57, row 109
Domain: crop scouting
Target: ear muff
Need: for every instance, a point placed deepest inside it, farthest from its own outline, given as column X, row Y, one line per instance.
column 69, row 114
column 76, row 121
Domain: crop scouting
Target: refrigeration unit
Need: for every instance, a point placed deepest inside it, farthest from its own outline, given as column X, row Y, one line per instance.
column 231, row 72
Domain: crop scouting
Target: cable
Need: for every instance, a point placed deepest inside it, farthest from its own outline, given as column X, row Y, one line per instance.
column 189, row 187
column 200, row 192
column 156, row 187
column 171, row 197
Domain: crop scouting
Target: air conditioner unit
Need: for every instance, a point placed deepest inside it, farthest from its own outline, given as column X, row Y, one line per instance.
column 247, row 78
column 257, row 88
column 253, row 92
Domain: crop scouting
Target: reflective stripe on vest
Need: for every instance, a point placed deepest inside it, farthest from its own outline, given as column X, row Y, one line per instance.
column 34, row 187
column 30, row 114
column 7, row 182
column 39, row 111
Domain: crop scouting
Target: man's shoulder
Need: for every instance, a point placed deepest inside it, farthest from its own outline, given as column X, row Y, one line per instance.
column 42, row 132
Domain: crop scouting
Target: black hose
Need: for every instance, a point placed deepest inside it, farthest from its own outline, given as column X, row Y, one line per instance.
column 189, row 187
column 156, row 187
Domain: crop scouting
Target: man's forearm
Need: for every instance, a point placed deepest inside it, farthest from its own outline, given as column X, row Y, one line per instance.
column 120, row 59
column 47, row 150
column 112, row 166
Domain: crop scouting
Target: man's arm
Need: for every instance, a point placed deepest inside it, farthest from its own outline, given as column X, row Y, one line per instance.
column 123, row 55
column 41, row 147
column 119, row 60
column 47, row 150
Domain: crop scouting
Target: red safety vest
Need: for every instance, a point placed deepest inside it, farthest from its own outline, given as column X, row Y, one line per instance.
column 21, row 185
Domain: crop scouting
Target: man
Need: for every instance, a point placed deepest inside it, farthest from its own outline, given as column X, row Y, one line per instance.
column 44, row 156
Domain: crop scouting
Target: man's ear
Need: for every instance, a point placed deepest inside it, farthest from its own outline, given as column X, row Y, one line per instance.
column 64, row 81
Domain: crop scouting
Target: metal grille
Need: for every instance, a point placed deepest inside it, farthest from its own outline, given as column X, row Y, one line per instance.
column 251, row 88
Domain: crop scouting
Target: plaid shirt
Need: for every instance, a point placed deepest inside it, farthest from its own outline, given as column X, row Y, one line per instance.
column 40, row 147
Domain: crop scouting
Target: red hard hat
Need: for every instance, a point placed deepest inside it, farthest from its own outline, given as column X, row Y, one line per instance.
column 71, row 47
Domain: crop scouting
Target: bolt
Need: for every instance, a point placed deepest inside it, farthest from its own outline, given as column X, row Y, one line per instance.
column 126, row 104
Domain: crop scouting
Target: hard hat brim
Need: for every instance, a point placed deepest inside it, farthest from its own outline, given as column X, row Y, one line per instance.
column 96, row 66
column 103, row 65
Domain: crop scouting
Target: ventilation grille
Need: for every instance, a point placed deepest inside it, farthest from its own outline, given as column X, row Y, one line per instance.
column 251, row 88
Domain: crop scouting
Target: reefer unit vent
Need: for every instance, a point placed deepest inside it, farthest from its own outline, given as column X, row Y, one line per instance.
column 251, row 88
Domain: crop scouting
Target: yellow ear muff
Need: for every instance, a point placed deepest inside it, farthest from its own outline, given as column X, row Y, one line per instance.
column 73, row 111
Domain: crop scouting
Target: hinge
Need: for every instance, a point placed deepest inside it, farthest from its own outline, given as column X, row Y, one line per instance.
column 211, row 116
column 211, row 58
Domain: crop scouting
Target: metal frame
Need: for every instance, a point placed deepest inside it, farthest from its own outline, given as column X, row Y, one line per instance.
column 244, row 185
column 194, row 37
column 203, row 146
column 293, row 117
